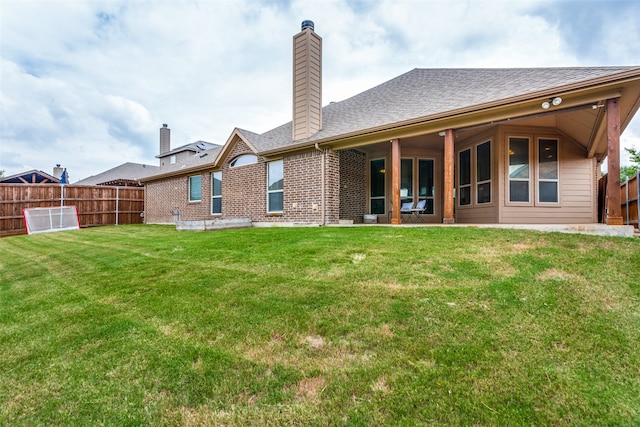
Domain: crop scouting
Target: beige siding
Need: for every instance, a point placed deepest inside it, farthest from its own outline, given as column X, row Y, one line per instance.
column 307, row 84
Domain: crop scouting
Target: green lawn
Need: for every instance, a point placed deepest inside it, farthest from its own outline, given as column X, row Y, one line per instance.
column 136, row 325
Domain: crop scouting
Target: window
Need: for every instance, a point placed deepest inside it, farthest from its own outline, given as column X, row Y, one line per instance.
column 244, row 159
column 533, row 170
column 216, row 193
column 377, row 174
column 519, row 170
column 425, row 183
column 474, row 175
column 406, row 180
column 275, row 186
column 172, row 159
column 483, row 173
column 547, row 170
column 195, row 188
column 464, row 186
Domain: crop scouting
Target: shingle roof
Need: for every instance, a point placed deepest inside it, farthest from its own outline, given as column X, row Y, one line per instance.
column 127, row 171
column 197, row 146
column 428, row 92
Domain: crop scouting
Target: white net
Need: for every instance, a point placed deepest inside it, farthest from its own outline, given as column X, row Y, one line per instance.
column 43, row 220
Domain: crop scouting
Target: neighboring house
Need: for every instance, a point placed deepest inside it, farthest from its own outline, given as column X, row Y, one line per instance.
column 186, row 155
column 125, row 175
column 31, row 177
column 475, row 145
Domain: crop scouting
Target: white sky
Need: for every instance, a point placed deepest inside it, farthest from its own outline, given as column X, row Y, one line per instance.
column 87, row 84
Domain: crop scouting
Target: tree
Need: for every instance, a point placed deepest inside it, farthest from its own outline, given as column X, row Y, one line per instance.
column 1, row 173
column 630, row 171
column 635, row 155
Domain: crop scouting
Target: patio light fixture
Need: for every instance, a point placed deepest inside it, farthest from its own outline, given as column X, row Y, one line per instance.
column 555, row 101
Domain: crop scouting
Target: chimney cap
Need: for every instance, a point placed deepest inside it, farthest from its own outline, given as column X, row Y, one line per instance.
column 164, row 125
column 307, row 24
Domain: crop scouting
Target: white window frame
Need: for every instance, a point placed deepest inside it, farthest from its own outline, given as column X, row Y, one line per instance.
column 189, row 189
column 172, row 159
column 243, row 160
column 281, row 190
column 216, row 196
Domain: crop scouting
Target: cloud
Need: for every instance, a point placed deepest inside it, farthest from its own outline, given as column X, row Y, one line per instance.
column 87, row 84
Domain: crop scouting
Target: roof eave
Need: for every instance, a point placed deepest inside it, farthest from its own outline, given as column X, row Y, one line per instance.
column 179, row 172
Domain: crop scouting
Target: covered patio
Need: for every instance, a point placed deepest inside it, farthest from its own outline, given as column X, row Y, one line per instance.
column 463, row 168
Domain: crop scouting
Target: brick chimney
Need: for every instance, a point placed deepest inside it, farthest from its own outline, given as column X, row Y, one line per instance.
column 165, row 139
column 307, row 82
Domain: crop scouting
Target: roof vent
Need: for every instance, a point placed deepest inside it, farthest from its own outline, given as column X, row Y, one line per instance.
column 307, row 24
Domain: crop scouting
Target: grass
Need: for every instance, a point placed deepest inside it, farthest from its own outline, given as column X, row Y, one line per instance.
column 143, row 325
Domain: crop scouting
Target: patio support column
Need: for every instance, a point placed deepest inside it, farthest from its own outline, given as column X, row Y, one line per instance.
column 613, row 208
column 395, row 181
column 449, row 159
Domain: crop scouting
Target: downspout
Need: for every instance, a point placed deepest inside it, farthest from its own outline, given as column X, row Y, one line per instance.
column 322, row 195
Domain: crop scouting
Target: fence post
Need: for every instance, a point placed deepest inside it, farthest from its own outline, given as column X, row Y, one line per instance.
column 626, row 199
column 61, row 203
column 638, row 196
column 117, row 203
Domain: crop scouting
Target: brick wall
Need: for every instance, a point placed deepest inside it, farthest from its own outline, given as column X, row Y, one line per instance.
column 303, row 187
column 167, row 201
column 244, row 192
column 332, row 186
column 244, row 188
column 353, row 192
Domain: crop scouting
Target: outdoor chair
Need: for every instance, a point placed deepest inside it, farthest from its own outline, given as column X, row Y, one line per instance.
column 406, row 209
column 420, row 209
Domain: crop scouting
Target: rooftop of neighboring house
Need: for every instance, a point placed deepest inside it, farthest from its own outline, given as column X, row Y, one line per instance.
column 124, row 174
column 195, row 147
column 33, row 176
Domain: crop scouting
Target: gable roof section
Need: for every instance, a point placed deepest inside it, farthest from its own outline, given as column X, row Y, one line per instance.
column 245, row 135
column 431, row 94
column 33, row 176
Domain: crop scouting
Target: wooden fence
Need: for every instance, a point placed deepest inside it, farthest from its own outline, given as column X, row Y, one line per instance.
column 629, row 195
column 97, row 205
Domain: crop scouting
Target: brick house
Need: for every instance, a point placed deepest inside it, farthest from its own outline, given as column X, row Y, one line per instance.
column 461, row 145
